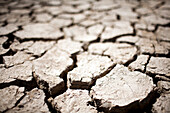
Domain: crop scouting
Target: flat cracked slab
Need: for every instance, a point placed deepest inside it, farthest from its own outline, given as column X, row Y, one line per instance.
column 139, row 63
column 89, row 68
column 162, row 33
column 19, row 72
column 69, row 46
column 74, row 101
column 8, row 29
column 162, row 104
column 33, row 101
column 19, row 58
column 150, row 46
column 159, row 65
column 17, row 46
column 95, row 29
column 2, row 49
column 119, row 53
column 61, row 22
column 104, row 5
column 39, row 47
column 85, row 38
column 122, row 90
column 50, row 71
column 40, row 31
column 13, row 94
column 44, row 17
column 128, row 39
column 120, row 28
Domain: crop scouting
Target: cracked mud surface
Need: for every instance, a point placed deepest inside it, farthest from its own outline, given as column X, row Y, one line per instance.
column 95, row 56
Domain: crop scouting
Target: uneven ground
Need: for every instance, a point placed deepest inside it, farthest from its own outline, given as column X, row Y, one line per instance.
column 85, row 56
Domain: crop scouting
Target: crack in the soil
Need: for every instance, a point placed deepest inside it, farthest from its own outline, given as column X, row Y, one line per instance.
column 147, row 63
column 18, row 101
column 29, row 85
column 113, row 39
column 21, row 83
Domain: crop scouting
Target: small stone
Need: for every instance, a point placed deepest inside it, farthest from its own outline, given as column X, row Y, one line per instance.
column 73, row 101
column 116, row 91
column 33, row 101
column 2, row 49
column 163, row 33
column 159, row 65
column 119, row 52
column 8, row 29
column 43, row 17
column 162, row 104
column 9, row 97
column 89, row 68
column 39, row 47
column 70, row 46
column 39, row 31
column 139, row 63
column 19, row 72
column 49, row 71
column 19, row 58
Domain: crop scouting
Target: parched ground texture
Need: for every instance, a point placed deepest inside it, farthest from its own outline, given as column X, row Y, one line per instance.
column 84, row 56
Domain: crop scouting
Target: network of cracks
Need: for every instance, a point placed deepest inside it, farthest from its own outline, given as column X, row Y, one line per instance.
column 94, row 56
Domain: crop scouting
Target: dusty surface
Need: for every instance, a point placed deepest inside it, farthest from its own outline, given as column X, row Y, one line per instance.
column 95, row 56
column 122, row 90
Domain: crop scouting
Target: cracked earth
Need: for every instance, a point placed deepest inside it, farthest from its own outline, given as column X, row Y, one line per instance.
column 84, row 56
